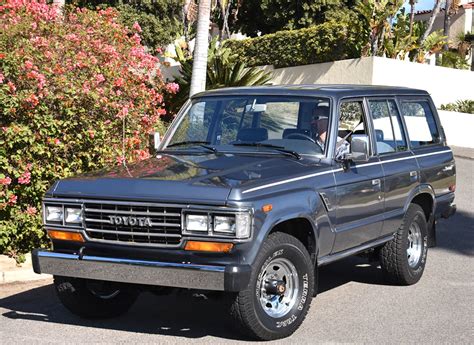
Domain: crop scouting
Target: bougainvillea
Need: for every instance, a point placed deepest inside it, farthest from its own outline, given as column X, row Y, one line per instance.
column 77, row 92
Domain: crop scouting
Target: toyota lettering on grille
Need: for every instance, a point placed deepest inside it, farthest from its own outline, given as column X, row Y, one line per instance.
column 131, row 221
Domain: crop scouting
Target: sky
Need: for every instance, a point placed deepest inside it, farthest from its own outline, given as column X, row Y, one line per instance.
column 421, row 5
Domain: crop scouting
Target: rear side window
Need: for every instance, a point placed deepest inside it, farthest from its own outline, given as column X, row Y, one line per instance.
column 388, row 133
column 420, row 122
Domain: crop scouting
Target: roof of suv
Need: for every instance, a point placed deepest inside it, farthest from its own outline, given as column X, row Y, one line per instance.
column 335, row 90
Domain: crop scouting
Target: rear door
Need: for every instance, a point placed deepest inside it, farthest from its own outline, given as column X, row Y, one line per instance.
column 398, row 162
column 426, row 139
column 359, row 212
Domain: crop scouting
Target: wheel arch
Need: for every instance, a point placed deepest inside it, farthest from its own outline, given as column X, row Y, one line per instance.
column 301, row 227
column 424, row 196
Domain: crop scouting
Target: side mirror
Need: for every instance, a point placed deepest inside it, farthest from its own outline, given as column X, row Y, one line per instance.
column 155, row 142
column 359, row 148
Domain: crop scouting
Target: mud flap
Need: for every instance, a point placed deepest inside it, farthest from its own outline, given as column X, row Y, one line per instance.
column 431, row 233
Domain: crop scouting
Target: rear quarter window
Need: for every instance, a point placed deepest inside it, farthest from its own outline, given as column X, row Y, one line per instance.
column 420, row 122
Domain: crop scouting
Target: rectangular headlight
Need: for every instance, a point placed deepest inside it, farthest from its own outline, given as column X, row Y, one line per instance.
column 196, row 222
column 73, row 215
column 224, row 224
column 242, row 225
column 54, row 214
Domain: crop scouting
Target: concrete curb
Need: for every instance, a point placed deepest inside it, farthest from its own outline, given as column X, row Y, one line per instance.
column 463, row 152
column 21, row 276
column 10, row 272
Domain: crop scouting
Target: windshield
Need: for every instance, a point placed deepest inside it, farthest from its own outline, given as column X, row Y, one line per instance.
column 257, row 123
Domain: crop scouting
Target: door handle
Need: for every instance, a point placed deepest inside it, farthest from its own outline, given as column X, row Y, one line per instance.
column 376, row 182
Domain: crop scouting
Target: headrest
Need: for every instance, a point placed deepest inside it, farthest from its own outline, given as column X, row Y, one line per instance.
column 321, row 111
column 252, row 134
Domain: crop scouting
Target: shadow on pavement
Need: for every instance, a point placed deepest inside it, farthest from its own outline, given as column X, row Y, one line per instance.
column 180, row 315
column 177, row 315
column 456, row 234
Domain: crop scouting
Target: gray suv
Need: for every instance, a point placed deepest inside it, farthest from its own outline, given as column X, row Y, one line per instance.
column 250, row 191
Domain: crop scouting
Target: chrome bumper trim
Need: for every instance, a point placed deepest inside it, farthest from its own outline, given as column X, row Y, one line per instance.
column 192, row 276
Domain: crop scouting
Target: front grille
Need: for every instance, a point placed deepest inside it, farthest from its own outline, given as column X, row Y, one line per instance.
column 164, row 228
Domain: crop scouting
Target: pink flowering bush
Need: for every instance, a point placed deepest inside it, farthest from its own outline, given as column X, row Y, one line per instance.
column 77, row 92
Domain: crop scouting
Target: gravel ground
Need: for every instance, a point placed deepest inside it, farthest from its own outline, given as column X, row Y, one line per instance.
column 354, row 304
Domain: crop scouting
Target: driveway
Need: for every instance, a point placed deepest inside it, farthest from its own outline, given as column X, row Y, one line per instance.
column 354, row 304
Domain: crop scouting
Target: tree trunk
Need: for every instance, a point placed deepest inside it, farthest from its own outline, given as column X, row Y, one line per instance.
column 434, row 13
column 198, row 78
column 412, row 15
column 447, row 22
column 60, row 5
column 226, row 20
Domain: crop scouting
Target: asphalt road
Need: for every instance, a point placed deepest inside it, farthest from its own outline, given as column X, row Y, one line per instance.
column 354, row 304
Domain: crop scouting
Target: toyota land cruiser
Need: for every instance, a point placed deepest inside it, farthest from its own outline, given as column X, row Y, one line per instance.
column 250, row 191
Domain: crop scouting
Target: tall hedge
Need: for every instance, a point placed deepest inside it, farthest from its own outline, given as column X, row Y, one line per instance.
column 77, row 92
column 321, row 43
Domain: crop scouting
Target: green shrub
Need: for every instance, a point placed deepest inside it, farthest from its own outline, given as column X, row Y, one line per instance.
column 321, row 43
column 462, row 106
column 160, row 20
column 76, row 94
column 452, row 59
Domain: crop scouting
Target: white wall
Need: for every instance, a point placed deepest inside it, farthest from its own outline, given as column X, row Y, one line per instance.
column 458, row 128
column 351, row 71
column 445, row 85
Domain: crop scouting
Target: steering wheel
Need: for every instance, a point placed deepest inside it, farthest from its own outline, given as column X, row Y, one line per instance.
column 300, row 136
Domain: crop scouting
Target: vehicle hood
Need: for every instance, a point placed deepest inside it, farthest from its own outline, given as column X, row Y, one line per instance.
column 207, row 179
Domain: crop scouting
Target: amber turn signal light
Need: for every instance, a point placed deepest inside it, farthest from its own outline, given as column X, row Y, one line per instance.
column 65, row 236
column 216, row 247
column 267, row 208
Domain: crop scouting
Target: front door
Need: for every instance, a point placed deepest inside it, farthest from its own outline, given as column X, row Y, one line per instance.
column 359, row 213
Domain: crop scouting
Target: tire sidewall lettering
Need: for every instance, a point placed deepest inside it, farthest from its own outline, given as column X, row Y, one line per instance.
column 303, row 295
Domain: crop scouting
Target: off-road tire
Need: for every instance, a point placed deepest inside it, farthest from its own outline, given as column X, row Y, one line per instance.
column 393, row 255
column 78, row 296
column 246, row 307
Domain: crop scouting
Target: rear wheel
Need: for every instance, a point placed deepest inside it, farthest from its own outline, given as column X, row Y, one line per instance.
column 280, row 290
column 94, row 298
column 403, row 259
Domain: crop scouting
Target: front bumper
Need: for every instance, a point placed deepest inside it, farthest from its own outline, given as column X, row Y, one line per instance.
column 182, row 275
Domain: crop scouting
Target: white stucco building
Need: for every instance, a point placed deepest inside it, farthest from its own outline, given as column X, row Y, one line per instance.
column 461, row 22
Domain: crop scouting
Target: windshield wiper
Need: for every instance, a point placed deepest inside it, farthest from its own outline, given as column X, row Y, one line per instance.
column 198, row 143
column 275, row 147
column 190, row 142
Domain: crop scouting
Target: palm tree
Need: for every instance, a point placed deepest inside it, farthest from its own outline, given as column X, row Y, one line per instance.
column 447, row 21
column 452, row 7
column 378, row 15
column 412, row 14
column 434, row 13
column 223, row 70
column 225, row 12
column 198, row 79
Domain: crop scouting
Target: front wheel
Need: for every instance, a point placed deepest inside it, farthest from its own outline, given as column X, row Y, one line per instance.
column 403, row 258
column 279, row 294
column 93, row 299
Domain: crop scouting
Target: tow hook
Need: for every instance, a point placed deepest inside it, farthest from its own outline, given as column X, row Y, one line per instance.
column 275, row 287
